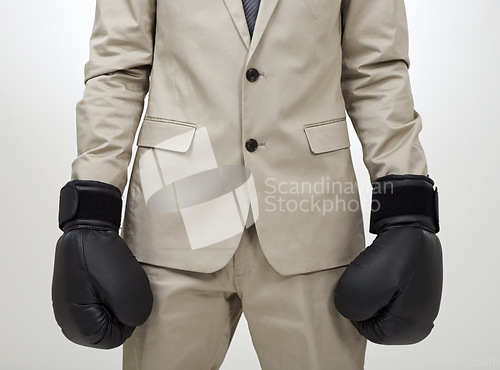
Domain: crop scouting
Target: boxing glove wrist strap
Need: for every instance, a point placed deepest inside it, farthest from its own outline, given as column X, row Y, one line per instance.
column 90, row 202
column 404, row 199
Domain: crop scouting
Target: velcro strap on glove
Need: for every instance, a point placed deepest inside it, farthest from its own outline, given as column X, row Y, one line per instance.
column 90, row 202
column 404, row 199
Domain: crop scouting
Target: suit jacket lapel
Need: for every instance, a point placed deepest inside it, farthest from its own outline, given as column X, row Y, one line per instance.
column 235, row 8
column 266, row 8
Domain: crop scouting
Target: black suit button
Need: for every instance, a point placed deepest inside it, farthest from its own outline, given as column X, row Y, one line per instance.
column 251, row 145
column 252, row 75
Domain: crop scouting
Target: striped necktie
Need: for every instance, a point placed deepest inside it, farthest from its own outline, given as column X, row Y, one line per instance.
column 251, row 8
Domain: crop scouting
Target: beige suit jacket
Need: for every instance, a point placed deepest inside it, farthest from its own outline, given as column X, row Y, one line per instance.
column 239, row 131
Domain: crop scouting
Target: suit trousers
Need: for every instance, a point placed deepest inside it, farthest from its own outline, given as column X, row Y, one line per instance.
column 292, row 319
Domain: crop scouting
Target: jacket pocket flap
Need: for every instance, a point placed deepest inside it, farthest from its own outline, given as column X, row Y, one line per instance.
column 168, row 135
column 327, row 136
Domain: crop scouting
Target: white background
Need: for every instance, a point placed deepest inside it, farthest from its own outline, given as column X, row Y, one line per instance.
column 454, row 52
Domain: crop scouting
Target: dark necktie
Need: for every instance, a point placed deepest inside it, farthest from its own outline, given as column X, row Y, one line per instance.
column 251, row 8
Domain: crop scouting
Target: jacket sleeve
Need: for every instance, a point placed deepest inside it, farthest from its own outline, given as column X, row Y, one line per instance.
column 376, row 86
column 116, row 83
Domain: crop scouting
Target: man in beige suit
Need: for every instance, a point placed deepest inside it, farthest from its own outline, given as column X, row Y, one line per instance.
column 243, row 196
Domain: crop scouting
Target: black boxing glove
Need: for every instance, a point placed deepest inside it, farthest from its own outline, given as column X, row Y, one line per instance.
column 100, row 292
column 391, row 291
